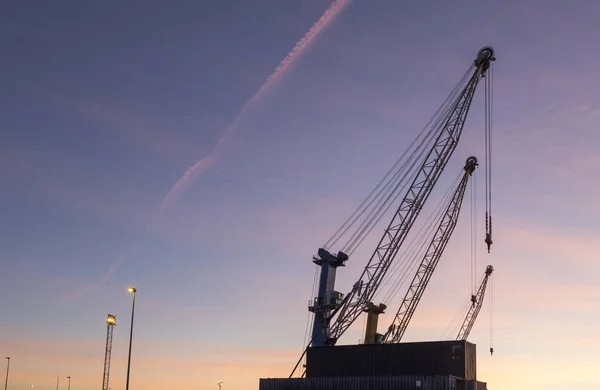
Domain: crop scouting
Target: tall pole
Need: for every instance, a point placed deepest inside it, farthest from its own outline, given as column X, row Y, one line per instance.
column 69, row 387
column 111, row 322
column 132, row 290
column 7, row 369
column 57, row 379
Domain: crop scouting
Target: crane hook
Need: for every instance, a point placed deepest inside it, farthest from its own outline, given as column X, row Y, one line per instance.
column 488, row 241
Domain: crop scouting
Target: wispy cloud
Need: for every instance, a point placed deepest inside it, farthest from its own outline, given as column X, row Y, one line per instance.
column 282, row 69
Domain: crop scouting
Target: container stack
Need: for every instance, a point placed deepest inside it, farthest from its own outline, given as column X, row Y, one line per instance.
column 443, row 365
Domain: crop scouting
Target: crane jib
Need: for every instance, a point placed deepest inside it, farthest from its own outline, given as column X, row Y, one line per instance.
column 474, row 310
column 430, row 259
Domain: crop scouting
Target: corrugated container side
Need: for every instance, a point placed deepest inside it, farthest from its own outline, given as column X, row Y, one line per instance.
column 361, row 383
column 447, row 358
column 470, row 361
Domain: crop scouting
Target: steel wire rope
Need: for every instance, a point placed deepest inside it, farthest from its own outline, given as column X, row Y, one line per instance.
column 456, row 329
column 421, row 133
column 452, row 324
column 491, row 313
column 416, row 246
column 310, row 315
column 488, row 154
column 432, row 228
column 449, row 104
column 357, row 212
column 388, row 196
column 473, row 236
column 417, row 255
column 391, row 199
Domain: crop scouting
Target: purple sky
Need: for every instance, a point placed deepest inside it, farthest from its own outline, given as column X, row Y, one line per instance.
column 107, row 104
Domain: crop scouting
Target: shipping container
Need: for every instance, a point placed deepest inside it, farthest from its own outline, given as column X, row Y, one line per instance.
column 364, row 383
column 445, row 358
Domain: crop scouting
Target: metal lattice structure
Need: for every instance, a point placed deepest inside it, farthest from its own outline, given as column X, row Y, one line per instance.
column 451, row 124
column 477, row 300
column 111, row 321
column 430, row 259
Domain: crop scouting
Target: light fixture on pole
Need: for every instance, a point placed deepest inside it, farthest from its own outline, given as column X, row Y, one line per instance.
column 132, row 290
column 7, row 369
column 220, row 383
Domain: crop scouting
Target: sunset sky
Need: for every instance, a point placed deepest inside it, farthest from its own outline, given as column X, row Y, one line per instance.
column 106, row 105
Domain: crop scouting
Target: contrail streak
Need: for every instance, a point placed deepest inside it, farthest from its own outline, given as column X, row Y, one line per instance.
column 95, row 285
column 299, row 49
column 336, row 7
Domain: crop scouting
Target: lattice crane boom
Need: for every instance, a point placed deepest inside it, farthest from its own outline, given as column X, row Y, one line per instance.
column 430, row 259
column 477, row 300
column 331, row 321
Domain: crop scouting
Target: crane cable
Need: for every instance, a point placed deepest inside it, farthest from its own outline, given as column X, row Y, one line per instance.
column 309, row 317
column 310, row 314
column 415, row 250
column 386, row 195
column 396, row 187
column 376, row 204
column 491, row 315
column 473, row 236
column 456, row 321
column 489, row 87
column 454, row 326
column 413, row 160
column 489, row 100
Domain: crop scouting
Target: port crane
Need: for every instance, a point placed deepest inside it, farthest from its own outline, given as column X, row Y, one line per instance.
column 423, row 162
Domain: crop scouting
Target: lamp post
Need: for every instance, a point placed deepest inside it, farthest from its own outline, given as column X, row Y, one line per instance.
column 220, row 383
column 57, row 380
column 69, row 387
column 7, row 369
column 132, row 290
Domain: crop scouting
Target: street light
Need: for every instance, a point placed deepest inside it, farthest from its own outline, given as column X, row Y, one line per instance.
column 220, row 383
column 69, row 378
column 7, row 369
column 132, row 290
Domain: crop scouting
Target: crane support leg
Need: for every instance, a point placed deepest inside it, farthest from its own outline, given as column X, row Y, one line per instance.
column 327, row 299
column 373, row 312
